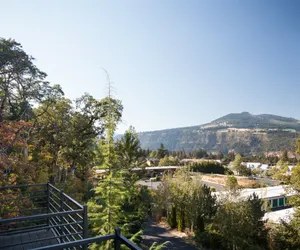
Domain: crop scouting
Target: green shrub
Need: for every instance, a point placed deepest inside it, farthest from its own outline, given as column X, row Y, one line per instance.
column 208, row 167
column 208, row 239
column 172, row 218
column 228, row 171
column 259, row 185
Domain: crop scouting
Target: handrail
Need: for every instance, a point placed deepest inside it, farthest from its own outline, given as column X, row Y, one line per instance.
column 71, row 199
column 33, row 228
column 66, row 196
column 98, row 239
column 38, row 216
column 78, row 243
column 128, row 243
column 23, row 185
column 60, row 218
column 55, row 188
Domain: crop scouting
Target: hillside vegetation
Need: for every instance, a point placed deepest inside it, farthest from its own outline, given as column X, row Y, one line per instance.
column 242, row 132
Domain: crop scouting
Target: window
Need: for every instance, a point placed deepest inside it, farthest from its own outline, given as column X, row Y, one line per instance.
column 274, row 203
column 281, row 202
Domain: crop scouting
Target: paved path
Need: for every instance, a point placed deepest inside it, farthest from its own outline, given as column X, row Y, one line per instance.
column 155, row 184
column 160, row 234
column 217, row 186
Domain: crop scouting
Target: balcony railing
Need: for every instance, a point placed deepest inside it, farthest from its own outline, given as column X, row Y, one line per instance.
column 40, row 216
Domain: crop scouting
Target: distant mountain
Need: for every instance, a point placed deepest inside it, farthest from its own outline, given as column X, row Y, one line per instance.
column 241, row 132
column 247, row 120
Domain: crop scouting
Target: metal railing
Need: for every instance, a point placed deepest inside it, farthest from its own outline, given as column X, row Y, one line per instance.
column 33, row 207
column 117, row 237
column 71, row 226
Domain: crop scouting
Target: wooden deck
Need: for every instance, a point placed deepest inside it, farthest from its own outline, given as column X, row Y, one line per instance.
column 29, row 240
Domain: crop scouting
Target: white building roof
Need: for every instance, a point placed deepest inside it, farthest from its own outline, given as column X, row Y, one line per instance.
column 266, row 192
column 264, row 166
column 100, row 171
column 262, row 193
column 252, row 164
column 159, row 168
column 277, row 216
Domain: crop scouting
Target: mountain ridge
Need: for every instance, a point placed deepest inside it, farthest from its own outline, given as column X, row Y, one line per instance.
column 243, row 132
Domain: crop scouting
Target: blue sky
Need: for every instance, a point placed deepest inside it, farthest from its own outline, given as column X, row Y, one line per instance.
column 173, row 63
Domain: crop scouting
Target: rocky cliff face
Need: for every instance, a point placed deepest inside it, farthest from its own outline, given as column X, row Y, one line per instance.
column 249, row 134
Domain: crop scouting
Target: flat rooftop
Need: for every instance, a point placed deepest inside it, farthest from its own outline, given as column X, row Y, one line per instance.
column 101, row 171
column 277, row 216
column 262, row 193
column 266, row 192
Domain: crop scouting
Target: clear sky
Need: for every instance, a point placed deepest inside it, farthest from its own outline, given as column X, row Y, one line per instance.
column 173, row 63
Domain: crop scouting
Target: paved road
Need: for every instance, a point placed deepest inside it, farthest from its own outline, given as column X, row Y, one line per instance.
column 217, row 186
column 160, row 234
column 155, row 184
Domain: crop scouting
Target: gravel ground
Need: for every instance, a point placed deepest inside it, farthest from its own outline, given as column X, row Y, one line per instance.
column 159, row 233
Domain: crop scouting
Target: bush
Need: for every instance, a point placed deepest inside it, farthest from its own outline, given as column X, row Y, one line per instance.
column 228, row 171
column 156, row 178
column 259, row 185
column 231, row 182
column 208, row 239
column 208, row 167
column 172, row 218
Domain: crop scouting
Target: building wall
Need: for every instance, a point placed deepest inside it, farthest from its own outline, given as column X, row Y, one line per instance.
column 277, row 203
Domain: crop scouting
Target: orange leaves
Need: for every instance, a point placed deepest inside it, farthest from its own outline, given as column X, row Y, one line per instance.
column 14, row 134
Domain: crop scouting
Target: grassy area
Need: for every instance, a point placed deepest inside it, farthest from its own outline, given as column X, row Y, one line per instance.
column 221, row 179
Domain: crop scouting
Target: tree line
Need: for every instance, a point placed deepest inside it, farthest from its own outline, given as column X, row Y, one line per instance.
column 45, row 136
column 225, row 221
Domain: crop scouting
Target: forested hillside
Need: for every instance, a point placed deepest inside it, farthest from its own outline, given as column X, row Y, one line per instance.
column 241, row 132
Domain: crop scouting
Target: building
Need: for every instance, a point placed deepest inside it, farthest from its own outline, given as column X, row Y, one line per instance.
column 252, row 165
column 189, row 161
column 152, row 162
column 264, row 167
column 276, row 216
column 275, row 196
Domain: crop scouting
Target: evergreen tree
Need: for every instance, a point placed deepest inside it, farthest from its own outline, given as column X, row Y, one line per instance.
column 298, row 145
column 128, row 149
column 237, row 165
column 284, row 156
column 110, row 193
column 161, row 151
column 240, row 225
